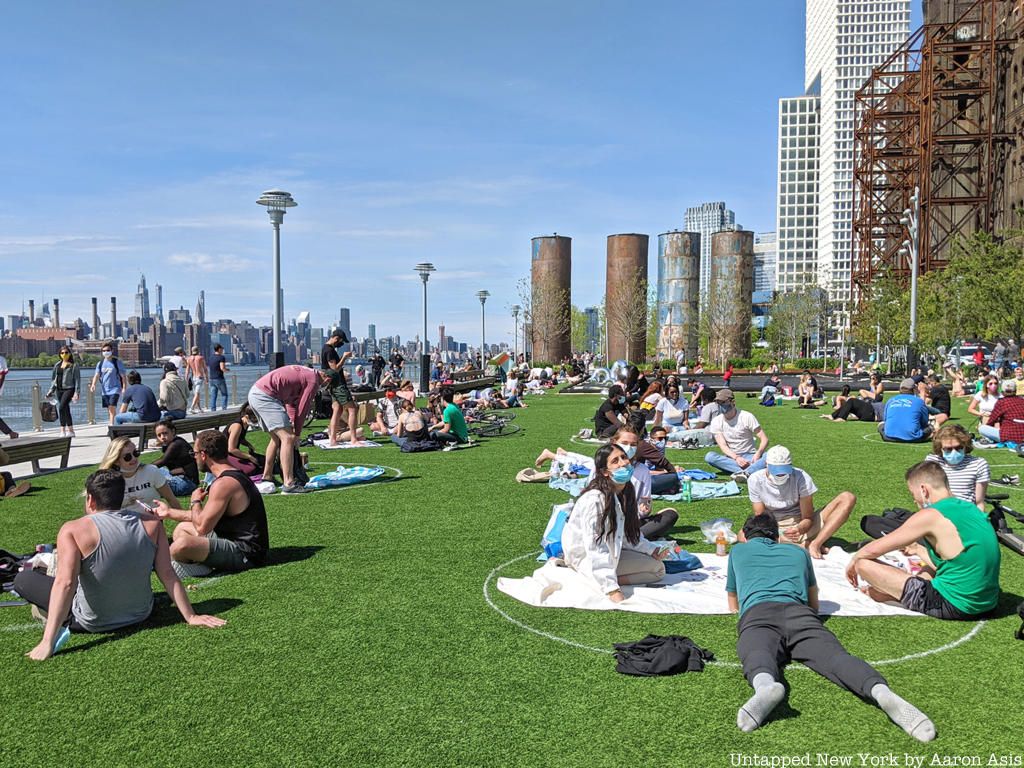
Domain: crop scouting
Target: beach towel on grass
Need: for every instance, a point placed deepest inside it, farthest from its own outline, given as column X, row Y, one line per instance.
column 701, row 591
column 700, row 491
column 326, row 445
column 345, row 476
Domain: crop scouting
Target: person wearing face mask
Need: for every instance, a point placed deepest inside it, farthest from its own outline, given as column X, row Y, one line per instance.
column 65, row 386
column 1006, row 421
column 611, row 414
column 734, row 432
column 787, row 494
column 144, row 484
column 602, row 539
column 960, row 578
column 110, row 375
column 648, row 482
column 967, row 475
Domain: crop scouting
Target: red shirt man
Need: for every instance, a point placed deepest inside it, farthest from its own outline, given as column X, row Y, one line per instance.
column 1008, row 414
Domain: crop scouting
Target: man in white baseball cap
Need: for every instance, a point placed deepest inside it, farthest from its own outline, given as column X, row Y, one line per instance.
column 787, row 494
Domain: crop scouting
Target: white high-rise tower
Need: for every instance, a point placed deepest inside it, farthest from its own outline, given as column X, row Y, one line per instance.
column 846, row 39
column 706, row 219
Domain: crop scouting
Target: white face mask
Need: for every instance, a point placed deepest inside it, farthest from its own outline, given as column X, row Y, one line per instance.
column 779, row 480
column 107, row 353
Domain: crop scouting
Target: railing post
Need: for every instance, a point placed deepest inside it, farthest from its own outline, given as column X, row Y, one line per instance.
column 234, row 388
column 90, row 405
column 37, row 417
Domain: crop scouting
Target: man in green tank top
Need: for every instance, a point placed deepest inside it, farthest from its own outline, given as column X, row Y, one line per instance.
column 960, row 577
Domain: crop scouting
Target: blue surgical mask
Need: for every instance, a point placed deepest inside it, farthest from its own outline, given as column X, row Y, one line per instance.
column 953, row 457
column 659, row 444
column 622, row 400
column 622, row 475
column 629, row 450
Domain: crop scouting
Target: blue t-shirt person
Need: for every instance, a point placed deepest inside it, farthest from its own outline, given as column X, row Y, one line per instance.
column 906, row 418
column 110, row 372
column 142, row 398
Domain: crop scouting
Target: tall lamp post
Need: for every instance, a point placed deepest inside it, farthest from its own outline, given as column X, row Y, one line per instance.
column 482, row 295
column 277, row 202
column 911, row 220
column 424, row 269
column 516, row 309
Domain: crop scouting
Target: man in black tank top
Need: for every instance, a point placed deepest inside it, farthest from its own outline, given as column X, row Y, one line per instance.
column 225, row 526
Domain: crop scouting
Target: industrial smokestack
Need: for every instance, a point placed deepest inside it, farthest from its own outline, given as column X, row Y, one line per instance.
column 113, row 317
column 31, row 311
column 95, row 318
column 56, row 313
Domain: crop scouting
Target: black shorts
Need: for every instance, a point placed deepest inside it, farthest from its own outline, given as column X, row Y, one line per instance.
column 919, row 595
column 109, row 401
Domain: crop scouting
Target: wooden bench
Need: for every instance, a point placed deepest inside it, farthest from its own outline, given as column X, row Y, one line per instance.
column 33, row 449
column 193, row 425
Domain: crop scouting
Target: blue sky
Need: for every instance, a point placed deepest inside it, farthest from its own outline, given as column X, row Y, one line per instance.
column 138, row 136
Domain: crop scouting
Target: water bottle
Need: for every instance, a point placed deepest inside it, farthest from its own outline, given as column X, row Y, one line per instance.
column 687, row 490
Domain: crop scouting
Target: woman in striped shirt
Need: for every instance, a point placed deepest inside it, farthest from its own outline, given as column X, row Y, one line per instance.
column 967, row 475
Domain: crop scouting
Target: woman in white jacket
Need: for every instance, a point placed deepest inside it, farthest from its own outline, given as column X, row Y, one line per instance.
column 602, row 538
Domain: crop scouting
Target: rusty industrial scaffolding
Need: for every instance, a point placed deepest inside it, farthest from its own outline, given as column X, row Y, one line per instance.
column 928, row 118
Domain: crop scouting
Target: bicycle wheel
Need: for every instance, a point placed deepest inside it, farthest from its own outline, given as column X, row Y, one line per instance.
column 497, row 416
column 496, row 429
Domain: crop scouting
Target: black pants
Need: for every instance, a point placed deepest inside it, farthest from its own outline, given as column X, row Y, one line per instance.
column 655, row 527
column 862, row 409
column 664, row 484
column 927, row 436
column 773, row 634
column 35, row 586
column 64, row 406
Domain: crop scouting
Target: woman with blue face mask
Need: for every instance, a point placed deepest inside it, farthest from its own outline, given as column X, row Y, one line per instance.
column 602, row 540
column 967, row 475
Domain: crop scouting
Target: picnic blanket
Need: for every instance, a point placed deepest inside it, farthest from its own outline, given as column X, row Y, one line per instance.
column 698, row 490
column 700, row 591
column 344, row 475
column 326, row 445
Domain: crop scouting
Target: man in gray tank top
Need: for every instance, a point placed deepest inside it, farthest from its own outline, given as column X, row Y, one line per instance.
column 104, row 562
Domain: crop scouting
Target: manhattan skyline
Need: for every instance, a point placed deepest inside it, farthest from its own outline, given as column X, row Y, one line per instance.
column 405, row 133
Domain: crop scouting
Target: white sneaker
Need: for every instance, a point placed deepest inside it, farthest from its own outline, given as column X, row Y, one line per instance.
column 450, row 447
column 739, row 477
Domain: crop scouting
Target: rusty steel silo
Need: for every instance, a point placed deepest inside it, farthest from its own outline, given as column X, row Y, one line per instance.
column 678, row 293
column 551, row 297
column 730, row 294
column 626, row 298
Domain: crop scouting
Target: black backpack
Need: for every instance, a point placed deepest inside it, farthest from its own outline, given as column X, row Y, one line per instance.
column 10, row 565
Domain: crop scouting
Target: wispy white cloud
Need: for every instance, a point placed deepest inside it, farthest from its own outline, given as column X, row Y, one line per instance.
column 86, row 243
column 208, row 222
column 465, row 191
column 209, row 262
column 410, row 234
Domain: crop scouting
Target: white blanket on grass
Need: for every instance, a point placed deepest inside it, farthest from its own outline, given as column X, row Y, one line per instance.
column 700, row 591
column 326, row 444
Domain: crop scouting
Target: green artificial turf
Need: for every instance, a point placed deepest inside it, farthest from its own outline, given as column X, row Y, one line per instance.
column 369, row 641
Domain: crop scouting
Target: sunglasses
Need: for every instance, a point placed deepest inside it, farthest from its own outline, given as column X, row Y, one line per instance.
column 130, row 455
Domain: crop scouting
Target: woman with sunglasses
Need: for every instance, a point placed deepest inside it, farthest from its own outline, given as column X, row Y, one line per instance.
column 65, row 386
column 602, row 539
column 144, row 483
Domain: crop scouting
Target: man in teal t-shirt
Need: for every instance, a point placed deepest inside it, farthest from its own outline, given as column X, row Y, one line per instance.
column 960, row 578
column 452, row 427
column 772, row 586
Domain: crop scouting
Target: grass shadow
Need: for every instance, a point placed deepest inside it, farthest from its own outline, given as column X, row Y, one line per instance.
column 165, row 613
column 283, row 555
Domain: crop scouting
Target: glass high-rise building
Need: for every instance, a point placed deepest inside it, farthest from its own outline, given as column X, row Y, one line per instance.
column 796, row 243
column 764, row 262
column 707, row 218
column 845, row 41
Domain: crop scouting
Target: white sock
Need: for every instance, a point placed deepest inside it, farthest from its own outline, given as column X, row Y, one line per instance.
column 767, row 694
column 908, row 717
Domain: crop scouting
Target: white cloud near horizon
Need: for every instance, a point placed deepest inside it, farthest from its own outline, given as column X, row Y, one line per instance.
column 209, row 262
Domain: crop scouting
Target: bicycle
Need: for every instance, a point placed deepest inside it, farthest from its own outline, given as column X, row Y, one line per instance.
column 997, row 517
column 495, row 426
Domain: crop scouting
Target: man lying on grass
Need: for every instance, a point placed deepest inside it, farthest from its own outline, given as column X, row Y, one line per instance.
column 772, row 586
column 104, row 562
column 960, row 578
column 228, row 532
